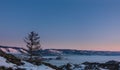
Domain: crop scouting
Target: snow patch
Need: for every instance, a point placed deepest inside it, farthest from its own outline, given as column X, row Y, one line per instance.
column 4, row 63
column 29, row 66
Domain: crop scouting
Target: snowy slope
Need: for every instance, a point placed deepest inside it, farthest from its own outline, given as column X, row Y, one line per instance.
column 4, row 63
column 27, row 66
column 16, row 50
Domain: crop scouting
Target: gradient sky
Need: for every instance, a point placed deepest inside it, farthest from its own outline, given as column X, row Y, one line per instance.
column 67, row 24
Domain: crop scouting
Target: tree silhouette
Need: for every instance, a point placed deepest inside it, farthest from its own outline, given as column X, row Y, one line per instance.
column 32, row 43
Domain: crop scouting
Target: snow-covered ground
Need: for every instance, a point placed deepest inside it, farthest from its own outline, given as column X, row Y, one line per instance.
column 72, row 59
column 78, row 59
column 4, row 63
column 27, row 66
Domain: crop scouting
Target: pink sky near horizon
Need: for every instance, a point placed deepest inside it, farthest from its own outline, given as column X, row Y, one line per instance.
column 78, row 46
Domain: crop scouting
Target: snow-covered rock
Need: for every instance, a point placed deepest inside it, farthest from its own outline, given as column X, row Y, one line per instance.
column 29, row 66
column 3, row 62
column 26, row 66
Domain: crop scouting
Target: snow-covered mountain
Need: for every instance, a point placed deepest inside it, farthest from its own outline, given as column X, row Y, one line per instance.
column 16, row 50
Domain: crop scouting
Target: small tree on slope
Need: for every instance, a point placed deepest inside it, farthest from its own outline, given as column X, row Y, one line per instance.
column 32, row 43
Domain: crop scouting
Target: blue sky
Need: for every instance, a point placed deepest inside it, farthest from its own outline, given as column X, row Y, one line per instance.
column 72, row 24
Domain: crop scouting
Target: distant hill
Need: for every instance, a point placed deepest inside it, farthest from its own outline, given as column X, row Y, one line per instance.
column 77, row 52
column 9, row 49
column 54, row 52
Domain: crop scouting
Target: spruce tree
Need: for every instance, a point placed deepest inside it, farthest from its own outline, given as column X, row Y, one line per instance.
column 32, row 43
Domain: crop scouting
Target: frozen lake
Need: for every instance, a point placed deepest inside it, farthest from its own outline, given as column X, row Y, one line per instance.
column 78, row 59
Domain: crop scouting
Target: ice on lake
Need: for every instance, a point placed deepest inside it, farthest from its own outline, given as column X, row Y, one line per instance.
column 78, row 59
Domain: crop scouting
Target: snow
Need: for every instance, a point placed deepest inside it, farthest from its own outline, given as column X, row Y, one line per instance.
column 102, row 69
column 13, row 51
column 10, row 50
column 4, row 50
column 27, row 65
column 73, row 59
column 78, row 59
column 41, row 67
column 4, row 63
column 55, row 51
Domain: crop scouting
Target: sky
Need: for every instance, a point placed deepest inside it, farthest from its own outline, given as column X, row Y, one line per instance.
column 62, row 24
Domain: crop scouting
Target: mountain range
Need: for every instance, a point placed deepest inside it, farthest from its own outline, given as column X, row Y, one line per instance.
column 54, row 52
